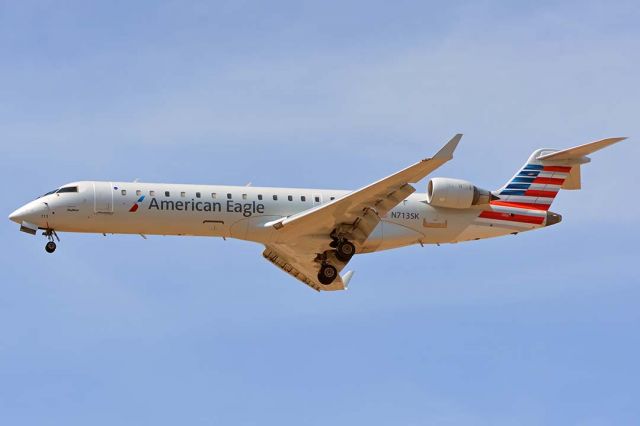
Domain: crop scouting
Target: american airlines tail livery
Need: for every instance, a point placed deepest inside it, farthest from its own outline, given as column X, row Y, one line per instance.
column 312, row 234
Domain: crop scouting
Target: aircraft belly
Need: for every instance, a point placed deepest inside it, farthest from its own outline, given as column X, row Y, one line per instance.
column 149, row 223
column 374, row 241
column 253, row 229
column 482, row 228
column 481, row 231
column 397, row 235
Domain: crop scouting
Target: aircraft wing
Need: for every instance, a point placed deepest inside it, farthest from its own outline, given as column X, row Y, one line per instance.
column 359, row 212
column 302, row 266
column 301, row 239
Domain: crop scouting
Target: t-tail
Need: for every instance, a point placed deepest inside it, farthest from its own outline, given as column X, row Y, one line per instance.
column 538, row 182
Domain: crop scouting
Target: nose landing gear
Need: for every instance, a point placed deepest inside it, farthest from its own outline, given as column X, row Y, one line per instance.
column 50, row 247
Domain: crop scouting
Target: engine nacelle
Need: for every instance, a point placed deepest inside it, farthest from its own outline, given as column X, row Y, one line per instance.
column 455, row 194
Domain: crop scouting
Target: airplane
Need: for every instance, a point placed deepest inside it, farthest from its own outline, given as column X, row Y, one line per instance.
column 312, row 234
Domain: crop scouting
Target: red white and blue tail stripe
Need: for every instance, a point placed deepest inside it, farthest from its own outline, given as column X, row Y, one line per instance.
column 525, row 199
column 535, row 186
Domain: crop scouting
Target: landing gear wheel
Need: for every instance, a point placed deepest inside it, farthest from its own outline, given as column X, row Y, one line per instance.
column 327, row 274
column 345, row 251
column 50, row 247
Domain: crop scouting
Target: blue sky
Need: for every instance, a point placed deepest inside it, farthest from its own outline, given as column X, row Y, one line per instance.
column 541, row 328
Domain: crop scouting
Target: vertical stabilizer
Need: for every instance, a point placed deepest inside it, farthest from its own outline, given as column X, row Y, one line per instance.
column 539, row 180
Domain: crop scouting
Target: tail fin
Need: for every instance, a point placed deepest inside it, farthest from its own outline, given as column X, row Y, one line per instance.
column 537, row 183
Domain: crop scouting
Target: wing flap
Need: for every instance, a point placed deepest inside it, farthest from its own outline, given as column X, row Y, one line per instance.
column 303, row 270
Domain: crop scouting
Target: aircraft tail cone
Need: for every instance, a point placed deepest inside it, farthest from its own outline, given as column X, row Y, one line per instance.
column 552, row 219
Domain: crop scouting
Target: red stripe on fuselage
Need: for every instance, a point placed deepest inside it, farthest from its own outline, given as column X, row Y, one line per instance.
column 512, row 217
column 520, row 205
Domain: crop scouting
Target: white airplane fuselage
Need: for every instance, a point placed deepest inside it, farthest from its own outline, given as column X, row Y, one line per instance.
column 242, row 212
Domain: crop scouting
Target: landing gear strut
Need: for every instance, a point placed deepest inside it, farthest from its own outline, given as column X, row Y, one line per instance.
column 327, row 274
column 50, row 247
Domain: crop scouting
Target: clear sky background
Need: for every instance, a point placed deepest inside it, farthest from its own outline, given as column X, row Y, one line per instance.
column 541, row 328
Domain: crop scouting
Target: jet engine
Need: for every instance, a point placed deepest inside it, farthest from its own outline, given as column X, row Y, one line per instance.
column 455, row 194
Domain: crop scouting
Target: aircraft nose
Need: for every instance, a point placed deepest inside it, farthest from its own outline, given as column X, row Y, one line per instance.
column 27, row 213
column 18, row 215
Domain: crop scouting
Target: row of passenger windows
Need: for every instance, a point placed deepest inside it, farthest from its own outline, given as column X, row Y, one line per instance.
column 214, row 195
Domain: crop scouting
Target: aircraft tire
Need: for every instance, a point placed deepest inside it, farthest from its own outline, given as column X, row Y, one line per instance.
column 327, row 274
column 50, row 247
column 345, row 251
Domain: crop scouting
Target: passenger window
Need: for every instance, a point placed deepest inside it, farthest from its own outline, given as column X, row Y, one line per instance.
column 138, row 192
column 317, row 199
column 259, row 196
column 213, row 195
column 152, row 193
column 197, row 195
column 244, row 196
column 333, row 198
column 303, row 198
column 166, row 194
column 275, row 198
column 229, row 196
column 290, row 198
column 183, row 194
column 123, row 192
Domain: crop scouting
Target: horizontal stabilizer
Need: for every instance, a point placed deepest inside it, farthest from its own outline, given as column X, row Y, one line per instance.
column 580, row 151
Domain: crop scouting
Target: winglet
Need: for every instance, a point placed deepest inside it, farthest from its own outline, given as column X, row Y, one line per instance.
column 346, row 278
column 446, row 152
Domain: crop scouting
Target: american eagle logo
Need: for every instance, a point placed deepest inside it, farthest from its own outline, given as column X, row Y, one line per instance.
column 135, row 206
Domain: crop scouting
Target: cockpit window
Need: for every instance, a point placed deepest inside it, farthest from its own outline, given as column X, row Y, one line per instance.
column 68, row 189
column 60, row 190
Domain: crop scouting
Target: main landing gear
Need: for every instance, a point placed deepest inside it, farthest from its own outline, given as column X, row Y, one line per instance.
column 50, row 247
column 343, row 251
column 327, row 274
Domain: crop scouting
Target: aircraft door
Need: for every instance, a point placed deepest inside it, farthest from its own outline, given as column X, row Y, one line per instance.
column 102, row 197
